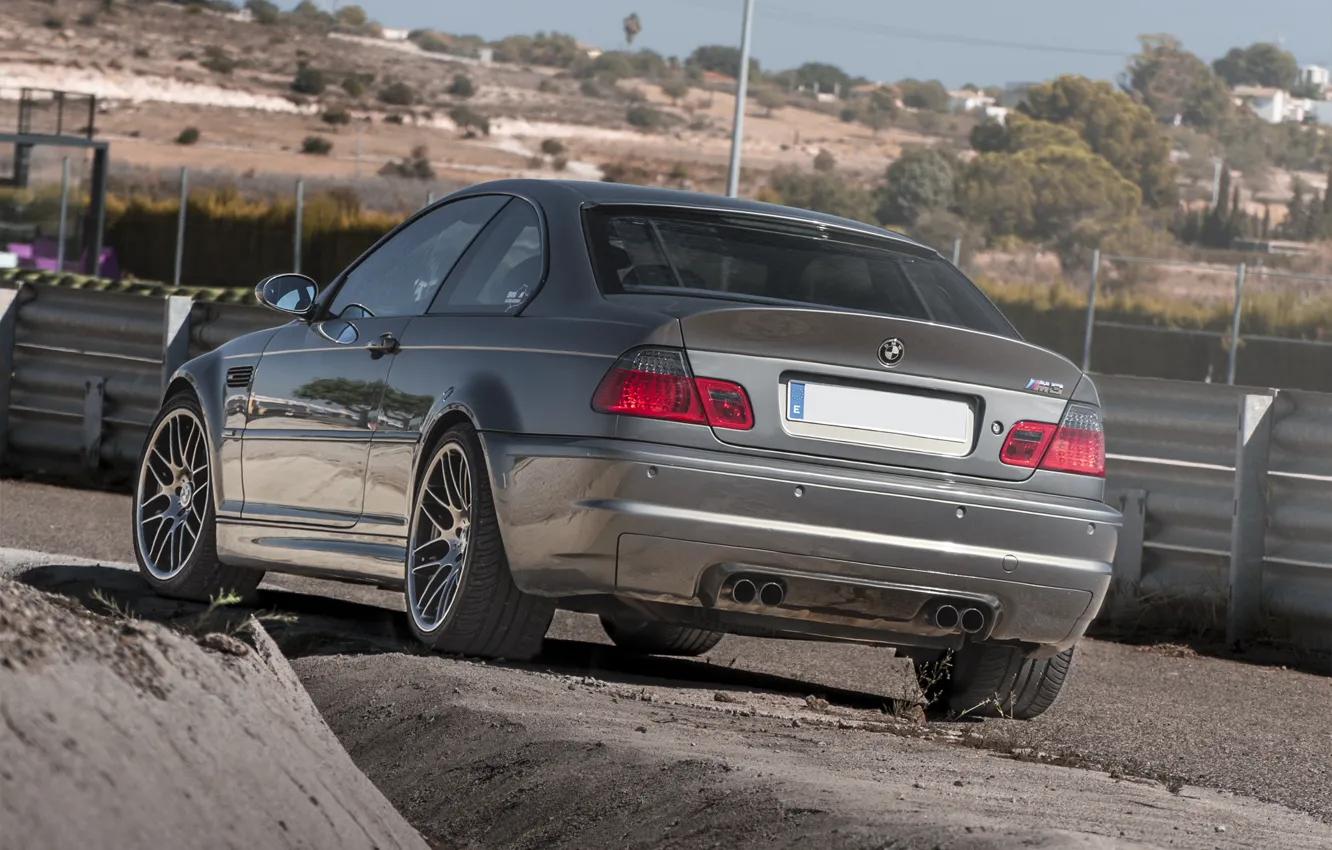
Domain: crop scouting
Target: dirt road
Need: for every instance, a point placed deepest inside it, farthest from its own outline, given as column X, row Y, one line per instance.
column 588, row 748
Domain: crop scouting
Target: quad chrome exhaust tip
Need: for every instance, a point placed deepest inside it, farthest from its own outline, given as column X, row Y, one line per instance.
column 946, row 617
column 972, row 620
column 744, row 591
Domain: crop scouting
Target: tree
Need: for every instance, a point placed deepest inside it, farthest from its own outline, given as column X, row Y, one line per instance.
column 676, row 89
column 632, row 27
column 262, row 11
column 820, row 74
column 1172, row 82
column 308, row 81
column 929, row 95
column 552, row 147
column 720, row 59
column 1114, row 127
column 770, row 98
column 352, row 16
column 1258, row 64
column 462, row 86
column 1051, row 193
column 823, row 192
column 922, row 179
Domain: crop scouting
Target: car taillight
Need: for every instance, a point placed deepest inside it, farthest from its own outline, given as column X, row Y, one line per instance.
column 1076, row 445
column 655, row 383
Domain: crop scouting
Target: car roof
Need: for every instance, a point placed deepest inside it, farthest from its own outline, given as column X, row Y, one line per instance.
column 597, row 193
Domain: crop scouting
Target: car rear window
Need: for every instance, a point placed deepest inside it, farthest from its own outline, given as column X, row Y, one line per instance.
column 753, row 259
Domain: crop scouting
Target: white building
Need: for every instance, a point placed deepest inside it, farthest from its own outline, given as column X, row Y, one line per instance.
column 997, row 113
column 1269, row 104
column 968, row 101
column 395, row 35
column 1315, row 75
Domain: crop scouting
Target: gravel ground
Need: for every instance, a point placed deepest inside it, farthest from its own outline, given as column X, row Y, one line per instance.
column 1221, row 733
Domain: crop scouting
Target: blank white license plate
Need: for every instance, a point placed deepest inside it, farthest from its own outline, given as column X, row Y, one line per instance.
column 884, row 418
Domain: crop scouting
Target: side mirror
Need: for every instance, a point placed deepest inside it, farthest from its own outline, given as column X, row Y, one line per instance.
column 293, row 294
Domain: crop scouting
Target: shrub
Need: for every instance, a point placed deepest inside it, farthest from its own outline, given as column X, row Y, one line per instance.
column 188, row 136
column 825, row 161
column 552, row 147
column 54, row 22
column 624, row 172
column 416, row 166
column 142, row 53
column 398, row 94
column 336, row 115
column 591, row 88
column 217, row 60
column 548, row 86
column 462, row 86
column 643, row 117
column 470, row 121
column 316, row 145
column 560, row 163
column 353, row 86
column 87, row 19
column 309, row 81
column 394, row 118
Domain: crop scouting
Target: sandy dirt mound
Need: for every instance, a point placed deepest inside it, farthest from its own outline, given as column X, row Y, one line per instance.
column 122, row 733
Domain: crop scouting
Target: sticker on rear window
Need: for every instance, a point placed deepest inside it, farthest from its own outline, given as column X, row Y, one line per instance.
column 795, row 400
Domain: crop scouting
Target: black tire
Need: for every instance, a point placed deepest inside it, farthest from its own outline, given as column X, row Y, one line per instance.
column 203, row 577
column 659, row 638
column 1000, row 681
column 489, row 616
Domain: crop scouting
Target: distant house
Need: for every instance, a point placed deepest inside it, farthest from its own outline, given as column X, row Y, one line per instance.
column 243, row 15
column 997, row 113
column 1269, row 104
column 968, row 100
column 1315, row 75
column 395, row 35
column 591, row 51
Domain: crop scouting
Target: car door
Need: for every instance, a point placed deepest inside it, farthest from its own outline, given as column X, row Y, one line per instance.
column 317, row 391
column 469, row 330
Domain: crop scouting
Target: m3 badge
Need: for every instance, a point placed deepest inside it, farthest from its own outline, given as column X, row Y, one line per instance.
column 1036, row 385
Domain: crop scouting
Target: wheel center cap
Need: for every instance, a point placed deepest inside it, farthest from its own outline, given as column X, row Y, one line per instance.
column 185, row 494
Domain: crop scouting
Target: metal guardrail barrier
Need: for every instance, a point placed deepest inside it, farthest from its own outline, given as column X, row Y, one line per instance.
column 1227, row 492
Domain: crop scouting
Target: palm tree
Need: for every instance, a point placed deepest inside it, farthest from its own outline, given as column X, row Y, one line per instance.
column 632, row 27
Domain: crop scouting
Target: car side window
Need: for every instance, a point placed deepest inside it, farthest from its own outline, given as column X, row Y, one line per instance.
column 502, row 269
column 402, row 276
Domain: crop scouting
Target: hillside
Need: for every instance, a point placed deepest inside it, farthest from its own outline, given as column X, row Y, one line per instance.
column 159, row 68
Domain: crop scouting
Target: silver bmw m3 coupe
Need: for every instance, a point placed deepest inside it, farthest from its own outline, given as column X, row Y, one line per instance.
column 686, row 414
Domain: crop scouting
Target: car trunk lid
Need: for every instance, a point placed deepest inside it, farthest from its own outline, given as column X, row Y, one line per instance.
column 877, row 389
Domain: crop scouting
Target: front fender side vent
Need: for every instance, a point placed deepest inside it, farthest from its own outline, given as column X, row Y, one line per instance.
column 239, row 376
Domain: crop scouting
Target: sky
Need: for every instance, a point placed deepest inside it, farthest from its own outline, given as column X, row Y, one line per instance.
column 956, row 41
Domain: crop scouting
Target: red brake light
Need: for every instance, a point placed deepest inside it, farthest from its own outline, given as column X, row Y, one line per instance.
column 1079, row 445
column 1076, row 445
column 655, row 383
column 726, row 404
column 1026, row 444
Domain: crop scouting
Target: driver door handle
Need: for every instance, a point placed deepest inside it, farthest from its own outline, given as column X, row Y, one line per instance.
column 386, row 344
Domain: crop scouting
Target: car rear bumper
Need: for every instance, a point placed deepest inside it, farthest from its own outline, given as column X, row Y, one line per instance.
column 854, row 552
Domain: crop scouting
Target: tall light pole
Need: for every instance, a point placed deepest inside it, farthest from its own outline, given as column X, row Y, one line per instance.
column 741, row 90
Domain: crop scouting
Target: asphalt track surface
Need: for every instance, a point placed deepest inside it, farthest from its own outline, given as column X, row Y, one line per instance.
column 1148, row 746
